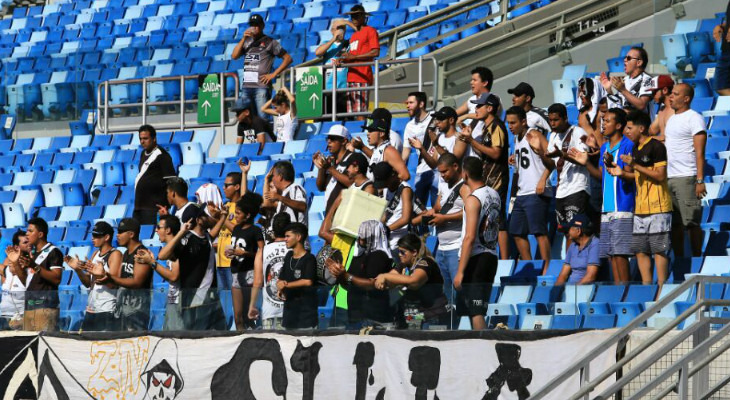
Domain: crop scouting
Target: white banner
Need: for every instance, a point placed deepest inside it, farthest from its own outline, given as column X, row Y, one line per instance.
column 277, row 366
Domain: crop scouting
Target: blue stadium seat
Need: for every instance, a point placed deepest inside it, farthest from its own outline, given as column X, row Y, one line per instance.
column 598, row 321
column 626, row 312
column 107, row 196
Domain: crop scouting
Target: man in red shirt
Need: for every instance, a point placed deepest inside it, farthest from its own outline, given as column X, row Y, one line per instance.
column 364, row 47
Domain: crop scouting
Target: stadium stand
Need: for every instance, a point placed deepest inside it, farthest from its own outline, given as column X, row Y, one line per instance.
column 77, row 181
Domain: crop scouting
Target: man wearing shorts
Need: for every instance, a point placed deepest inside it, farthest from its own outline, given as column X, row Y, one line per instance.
column 532, row 192
column 685, row 138
column 572, row 195
column 478, row 256
column 618, row 190
column 653, row 213
column 364, row 47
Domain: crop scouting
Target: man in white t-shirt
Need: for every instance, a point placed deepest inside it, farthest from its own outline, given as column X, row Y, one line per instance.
column 685, row 138
column 631, row 91
column 481, row 82
column 572, row 195
column 286, row 196
column 537, row 118
column 426, row 183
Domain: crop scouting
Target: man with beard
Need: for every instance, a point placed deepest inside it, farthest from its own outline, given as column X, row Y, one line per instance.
column 420, row 120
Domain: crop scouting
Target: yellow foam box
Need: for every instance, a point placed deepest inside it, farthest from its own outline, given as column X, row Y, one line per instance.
column 356, row 206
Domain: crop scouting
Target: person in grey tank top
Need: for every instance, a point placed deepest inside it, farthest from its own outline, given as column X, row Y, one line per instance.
column 102, row 296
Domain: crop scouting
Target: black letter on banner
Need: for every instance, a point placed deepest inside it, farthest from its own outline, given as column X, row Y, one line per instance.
column 364, row 358
column 425, row 363
column 509, row 371
column 231, row 380
column 46, row 371
column 306, row 361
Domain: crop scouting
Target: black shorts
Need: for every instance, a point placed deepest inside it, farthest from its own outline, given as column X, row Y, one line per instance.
column 476, row 286
column 570, row 206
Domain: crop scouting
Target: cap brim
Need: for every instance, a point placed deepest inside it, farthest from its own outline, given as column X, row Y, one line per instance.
column 512, row 91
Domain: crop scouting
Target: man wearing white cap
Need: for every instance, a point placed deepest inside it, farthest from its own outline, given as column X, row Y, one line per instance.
column 331, row 177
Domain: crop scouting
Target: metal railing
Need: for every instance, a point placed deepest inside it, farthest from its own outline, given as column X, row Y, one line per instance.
column 103, row 104
column 376, row 87
column 699, row 357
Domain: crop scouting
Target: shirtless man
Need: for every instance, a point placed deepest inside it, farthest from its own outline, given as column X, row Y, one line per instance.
column 661, row 88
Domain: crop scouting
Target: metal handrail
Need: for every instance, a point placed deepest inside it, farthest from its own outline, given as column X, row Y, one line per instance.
column 390, row 37
column 583, row 364
column 103, row 102
column 375, row 87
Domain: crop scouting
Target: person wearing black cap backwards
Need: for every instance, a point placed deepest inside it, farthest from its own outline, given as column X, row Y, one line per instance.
column 487, row 137
column 251, row 127
column 134, row 281
column 193, row 250
column 364, row 47
column 102, row 296
column 380, row 139
column 259, row 51
column 537, row 118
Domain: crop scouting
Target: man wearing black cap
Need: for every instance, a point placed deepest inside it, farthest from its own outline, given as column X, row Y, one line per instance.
column 259, row 51
column 155, row 165
column 192, row 249
column 522, row 96
column 102, row 296
column 356, row 169
column 487, row 137
column 382, row 148
column 400, row 208
column 134, row 281
column 251, row 127
column 443, row 138
column 364, row 47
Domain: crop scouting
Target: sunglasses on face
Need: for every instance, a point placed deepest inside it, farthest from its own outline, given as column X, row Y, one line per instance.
column 629, row 58
column 226, row 185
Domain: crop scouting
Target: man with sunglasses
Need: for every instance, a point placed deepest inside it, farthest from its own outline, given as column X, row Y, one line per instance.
column 573, row 192
column 232, row 191
column 331, row 176
column 443, row 137
column 364, row 47
column 633, row 90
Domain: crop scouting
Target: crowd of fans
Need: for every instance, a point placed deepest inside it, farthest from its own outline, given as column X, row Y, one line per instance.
column 629, row 184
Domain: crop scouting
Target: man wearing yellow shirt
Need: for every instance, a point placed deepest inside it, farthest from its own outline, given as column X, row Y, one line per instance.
column 232, row 191
column 653, row 212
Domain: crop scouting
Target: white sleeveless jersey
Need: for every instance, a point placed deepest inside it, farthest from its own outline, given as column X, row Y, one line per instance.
column 378, row 156
column 488, row 228
column 530, row 168
column 364, row 184
column 394, row 210
column 101, row 297
column 13, row 294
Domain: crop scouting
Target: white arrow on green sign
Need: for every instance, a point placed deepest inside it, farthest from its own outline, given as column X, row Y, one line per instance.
column 309, row 92
column 209, row 101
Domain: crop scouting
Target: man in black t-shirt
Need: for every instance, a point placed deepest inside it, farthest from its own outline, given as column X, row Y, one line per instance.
column 135, row 280
column 251, row 127
column 296, row 281
column 41, row 309
column 192, row 249
column 155, row 164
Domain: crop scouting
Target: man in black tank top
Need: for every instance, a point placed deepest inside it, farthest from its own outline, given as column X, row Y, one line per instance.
column 135, row 280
